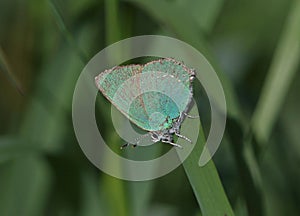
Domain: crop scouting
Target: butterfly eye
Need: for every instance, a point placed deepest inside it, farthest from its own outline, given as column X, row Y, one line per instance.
column 192, row 77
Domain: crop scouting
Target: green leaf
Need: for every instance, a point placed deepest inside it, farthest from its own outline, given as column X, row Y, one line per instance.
column 281, row 73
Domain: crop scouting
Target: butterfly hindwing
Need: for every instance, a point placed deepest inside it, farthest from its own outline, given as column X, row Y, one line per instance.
column 120, row 85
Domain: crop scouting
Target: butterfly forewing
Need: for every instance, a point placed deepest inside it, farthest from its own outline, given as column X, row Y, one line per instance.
column 171, row 81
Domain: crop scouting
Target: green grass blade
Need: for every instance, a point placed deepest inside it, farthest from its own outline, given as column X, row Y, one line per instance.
column 113, row 27
column 140, row 193
column 283, row 68
column 93, row 204
column 249, row 172
column 206, row 183
column 204, row 180
column 112, row 24
column 113, row 187
column 66, row 33
column 4, row 67
column 24, row 185
column 203, row 12
column 11, row 147
column 45, row 114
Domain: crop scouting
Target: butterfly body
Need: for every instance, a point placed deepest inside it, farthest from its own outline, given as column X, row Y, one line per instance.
column 155, row 96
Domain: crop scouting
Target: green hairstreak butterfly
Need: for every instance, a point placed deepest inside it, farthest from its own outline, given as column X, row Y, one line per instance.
column 155, row 96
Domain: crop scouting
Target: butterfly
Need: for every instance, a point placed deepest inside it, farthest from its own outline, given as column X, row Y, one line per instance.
column 155, row 96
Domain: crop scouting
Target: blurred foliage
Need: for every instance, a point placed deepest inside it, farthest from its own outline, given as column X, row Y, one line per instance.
column 254, row 47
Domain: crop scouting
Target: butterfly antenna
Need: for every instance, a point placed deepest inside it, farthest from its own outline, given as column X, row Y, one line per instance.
column 124, row 145
column 128, row 144
column 183, row 137
column 136, row 143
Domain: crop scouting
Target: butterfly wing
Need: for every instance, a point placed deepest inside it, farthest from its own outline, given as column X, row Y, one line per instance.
column 121, row 86
column 173, row 90
column 150, row 96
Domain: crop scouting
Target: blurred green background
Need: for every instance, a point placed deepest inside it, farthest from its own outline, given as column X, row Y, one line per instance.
column 254, row 47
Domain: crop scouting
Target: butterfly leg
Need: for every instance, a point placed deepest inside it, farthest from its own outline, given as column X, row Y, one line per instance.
column 189, row 116
column 171, row 143
column 183, row 137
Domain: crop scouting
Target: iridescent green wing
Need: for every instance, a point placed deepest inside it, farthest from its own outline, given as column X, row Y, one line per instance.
column 151, row 96
column 121, row 86
column 171, row 81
